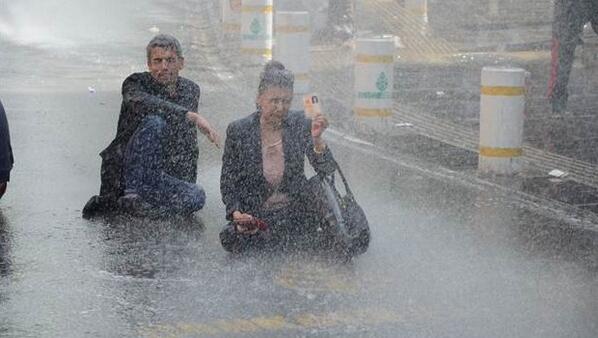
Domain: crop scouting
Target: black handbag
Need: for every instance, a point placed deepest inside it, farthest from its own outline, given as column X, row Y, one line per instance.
column 344, row 216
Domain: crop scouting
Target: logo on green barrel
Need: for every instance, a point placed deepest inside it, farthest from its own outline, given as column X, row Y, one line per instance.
column 382, row 85
column 255, row 27
column 257, row 31
column 382, row 82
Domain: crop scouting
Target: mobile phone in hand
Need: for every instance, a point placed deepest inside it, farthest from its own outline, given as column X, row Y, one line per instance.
column 311, row 104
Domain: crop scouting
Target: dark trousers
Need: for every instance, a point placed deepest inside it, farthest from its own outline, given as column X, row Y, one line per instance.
column 569, row 18
column 144, row 172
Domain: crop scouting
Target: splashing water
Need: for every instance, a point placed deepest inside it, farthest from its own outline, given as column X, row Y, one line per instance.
column 62, row 23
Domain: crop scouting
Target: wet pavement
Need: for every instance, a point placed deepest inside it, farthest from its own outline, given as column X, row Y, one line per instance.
column 450, row 256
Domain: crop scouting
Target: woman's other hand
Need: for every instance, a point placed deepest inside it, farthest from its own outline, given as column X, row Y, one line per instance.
column 244, row 223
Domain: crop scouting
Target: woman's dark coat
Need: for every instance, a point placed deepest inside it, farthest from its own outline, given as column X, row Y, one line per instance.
column 242, row 181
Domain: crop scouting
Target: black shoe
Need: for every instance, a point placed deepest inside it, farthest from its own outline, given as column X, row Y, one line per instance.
column 94, row 207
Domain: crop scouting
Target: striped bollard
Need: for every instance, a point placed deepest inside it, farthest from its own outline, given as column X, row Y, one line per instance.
column 502, row 106
column 231, row 16
column 374, row 80
column 292, row 47
column 256, row 30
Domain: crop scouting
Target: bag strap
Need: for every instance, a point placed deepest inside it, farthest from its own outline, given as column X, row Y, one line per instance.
column 345, row 183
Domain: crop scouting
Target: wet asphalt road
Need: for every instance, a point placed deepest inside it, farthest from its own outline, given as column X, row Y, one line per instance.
column 446, row 259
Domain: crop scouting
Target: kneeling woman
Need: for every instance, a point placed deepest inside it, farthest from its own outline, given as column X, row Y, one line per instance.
column 263, row 184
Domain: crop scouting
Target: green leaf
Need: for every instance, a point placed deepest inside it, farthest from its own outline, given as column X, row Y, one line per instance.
column 382, row 82
column 255, row 27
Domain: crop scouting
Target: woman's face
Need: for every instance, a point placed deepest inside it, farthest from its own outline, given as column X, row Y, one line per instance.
column 275, row 103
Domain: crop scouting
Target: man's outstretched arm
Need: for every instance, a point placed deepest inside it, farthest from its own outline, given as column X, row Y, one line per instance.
column 134, row 93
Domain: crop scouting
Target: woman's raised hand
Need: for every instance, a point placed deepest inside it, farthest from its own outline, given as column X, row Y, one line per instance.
column 319, row 123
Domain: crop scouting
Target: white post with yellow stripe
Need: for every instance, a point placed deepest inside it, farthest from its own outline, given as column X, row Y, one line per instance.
column 374, row 80
column 502, row 107
column 292, row 47
column 256, row 30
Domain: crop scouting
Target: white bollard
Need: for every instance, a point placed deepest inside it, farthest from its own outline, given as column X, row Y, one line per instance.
column 502, row 106
column 256, row 30
column 231, row 16
column 292, row 47
column 374, row 81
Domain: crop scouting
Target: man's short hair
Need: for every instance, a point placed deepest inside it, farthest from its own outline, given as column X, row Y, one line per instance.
column 164, row 41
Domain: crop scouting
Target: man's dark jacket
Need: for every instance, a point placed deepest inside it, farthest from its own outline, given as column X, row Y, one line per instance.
column 144, row 96
column 242, row 182
column 6, row 158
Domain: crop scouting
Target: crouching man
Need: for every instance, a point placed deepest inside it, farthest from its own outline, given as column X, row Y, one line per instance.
column 151, row 165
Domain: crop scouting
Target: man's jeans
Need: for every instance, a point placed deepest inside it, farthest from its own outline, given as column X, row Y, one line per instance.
column 145, row 176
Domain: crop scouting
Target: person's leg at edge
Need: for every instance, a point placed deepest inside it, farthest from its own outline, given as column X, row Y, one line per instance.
column 567, row 28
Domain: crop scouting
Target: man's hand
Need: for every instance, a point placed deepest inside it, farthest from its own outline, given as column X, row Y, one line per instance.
column 204, row 127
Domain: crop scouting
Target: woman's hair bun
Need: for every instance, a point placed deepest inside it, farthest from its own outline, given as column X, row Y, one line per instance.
column 275, row 75
column 273, row 65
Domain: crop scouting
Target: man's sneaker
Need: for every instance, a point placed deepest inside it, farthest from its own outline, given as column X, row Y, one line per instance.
column 94, row 207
